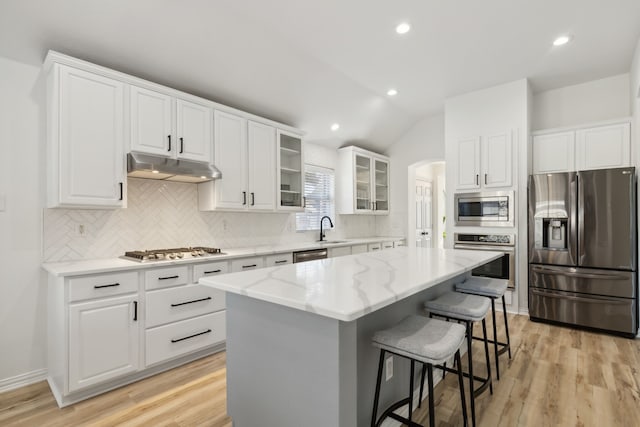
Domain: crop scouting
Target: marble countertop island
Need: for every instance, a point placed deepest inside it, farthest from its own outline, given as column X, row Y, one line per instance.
column 349, row 287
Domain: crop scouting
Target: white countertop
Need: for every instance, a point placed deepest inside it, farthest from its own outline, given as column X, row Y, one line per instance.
column 346, row 288
column 94, row 266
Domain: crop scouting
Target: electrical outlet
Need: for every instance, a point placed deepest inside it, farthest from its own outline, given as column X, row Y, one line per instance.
column 388, row 367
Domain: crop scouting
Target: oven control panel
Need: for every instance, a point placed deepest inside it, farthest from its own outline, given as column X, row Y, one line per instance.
column 490, row 239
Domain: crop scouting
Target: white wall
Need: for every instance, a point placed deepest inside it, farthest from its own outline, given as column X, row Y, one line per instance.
column 481, row 113
column 424, row 141
column 593, row 101
column 22, row 295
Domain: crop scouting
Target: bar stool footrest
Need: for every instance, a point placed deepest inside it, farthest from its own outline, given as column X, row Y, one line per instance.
column 389, row 413
column 503, row 345
column 485, row 382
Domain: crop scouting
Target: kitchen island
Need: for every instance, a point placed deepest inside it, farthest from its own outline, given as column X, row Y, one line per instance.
column 299, row 336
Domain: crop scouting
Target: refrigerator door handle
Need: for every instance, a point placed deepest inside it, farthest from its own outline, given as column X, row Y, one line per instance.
column 567, row 296
column 579, row 275
column 576, row 229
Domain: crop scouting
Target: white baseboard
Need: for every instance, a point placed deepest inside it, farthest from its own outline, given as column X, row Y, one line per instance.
column 23, row 380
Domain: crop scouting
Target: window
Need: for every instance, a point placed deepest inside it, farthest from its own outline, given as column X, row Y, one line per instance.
column 319, row 189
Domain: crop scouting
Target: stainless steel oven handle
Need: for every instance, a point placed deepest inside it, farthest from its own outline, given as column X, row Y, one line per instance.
column 543, row 270
column 485, row 248
column 593, row 299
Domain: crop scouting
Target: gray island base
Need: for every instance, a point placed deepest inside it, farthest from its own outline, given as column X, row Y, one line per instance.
column 299, row 347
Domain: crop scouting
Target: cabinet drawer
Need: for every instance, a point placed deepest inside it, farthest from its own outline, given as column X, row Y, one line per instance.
column 104, row 285
column 374, row 247
column 209, row 269
column 387, row 245
column 245, row 264
column 165, row 277
column 170, row 305
column 280, row 259
column 176, row 339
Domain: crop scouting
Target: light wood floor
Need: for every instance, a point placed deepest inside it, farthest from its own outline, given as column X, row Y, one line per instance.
column 557, row 377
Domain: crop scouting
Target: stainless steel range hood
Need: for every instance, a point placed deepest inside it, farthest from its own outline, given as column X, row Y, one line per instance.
column 157, row 167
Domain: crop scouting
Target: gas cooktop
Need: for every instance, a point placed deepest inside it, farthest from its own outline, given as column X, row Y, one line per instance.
column 172, row 254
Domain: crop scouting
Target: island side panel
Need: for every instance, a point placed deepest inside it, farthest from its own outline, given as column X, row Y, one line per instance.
column 368, row 356
column 283, row 366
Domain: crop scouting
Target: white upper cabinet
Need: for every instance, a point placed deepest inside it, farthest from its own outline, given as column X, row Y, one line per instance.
column 497, row 160
column 170, row 127
column 151, row 122
column 554, row 153
column 290, row 172
column 230, row 156
column 245, row 153
column 604, row 147
column 363, row 187
column 85, row 140
column 193, row 122
column 468, row 163
column 596, row 147
column 485, row 162
column 262, row 166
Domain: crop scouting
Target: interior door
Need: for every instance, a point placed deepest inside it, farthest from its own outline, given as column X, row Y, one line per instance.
column 606, row 209
column 424, row 223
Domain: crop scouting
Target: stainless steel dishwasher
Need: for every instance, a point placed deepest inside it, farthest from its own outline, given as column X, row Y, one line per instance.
column 310, row 255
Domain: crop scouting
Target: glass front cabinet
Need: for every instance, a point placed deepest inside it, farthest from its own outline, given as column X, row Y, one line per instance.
column 290, row 172
column 364, row 184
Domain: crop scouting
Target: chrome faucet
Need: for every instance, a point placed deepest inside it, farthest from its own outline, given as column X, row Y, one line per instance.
column 321, row 232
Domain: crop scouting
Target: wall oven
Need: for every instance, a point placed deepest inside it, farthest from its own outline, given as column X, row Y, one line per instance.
column 494, row 209
column 501, row 268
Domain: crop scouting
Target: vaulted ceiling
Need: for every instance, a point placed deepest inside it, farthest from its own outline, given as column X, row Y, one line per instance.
column 312, row 63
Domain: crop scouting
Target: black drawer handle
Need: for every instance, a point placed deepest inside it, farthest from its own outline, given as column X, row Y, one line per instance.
column 249, row 266
column 169, row 136
column 181, row 145
column 282, row 261
column 192, row 336
column 212, row 271
column 168, row 277
column 121, row 191
column 106, row 286
column 135, row 311
column 190, row 302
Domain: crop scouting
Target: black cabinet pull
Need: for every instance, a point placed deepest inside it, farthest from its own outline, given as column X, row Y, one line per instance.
column 477, row 179
column 181, row 145
column 192, row 336
column 212, row 271
column 106, row 286
column 304, row 202
column 168, row 277
column 135, row 311
column 121, row 191
column 249, row 266
column 244, row 197
column 282, row 261
column 485, row 179
column 190, row 302
column 253, row 199
column 169, row 136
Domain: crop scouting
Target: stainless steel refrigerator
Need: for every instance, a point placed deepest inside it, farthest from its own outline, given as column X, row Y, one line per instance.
column 582, row 249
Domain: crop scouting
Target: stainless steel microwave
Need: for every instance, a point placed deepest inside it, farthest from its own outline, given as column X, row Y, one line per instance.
column 494, row 209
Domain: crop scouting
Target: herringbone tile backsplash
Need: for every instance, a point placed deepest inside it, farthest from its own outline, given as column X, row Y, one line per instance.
column 163, row 214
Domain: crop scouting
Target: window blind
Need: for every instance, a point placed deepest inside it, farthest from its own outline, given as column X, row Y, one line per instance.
column 319, row 190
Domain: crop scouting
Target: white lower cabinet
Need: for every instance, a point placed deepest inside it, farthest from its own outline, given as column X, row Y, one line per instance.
column 179, row 338
column 359, row 249
column 279, row 259
column 171, row 305
column 340, row 251
column 245, row 264
column 387, row 245
column 103, row 340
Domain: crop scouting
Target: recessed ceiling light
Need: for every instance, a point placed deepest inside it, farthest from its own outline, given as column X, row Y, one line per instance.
column 154, row 171
column 403, row 28
column 392, row 92
column 559, row 41
column 335, row 127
